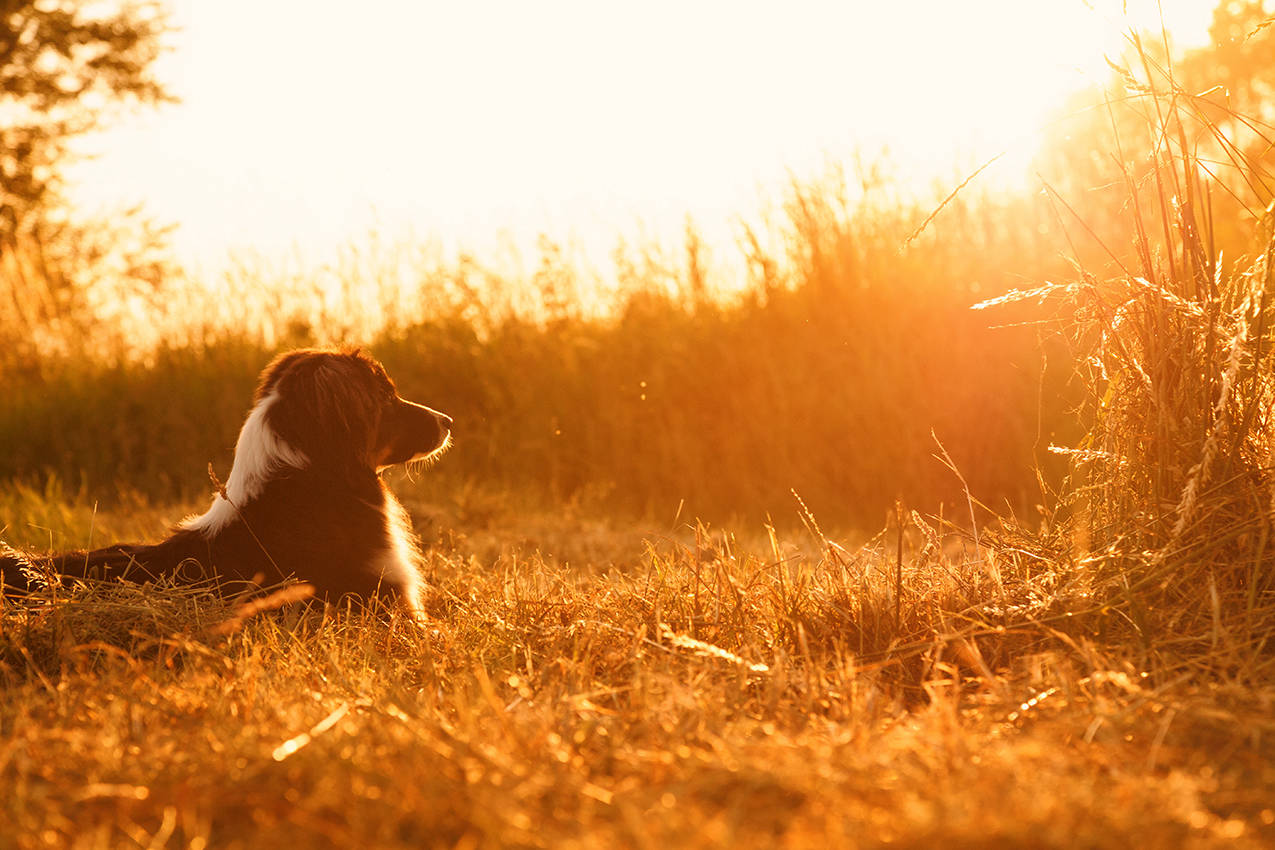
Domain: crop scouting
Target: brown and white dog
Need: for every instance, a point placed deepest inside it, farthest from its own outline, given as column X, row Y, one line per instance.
column 304, row 498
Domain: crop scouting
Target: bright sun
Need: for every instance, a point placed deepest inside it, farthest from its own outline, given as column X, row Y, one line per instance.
column 303, row 124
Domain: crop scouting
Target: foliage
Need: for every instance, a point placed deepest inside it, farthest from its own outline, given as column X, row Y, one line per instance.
column 65, row 68
column 1238, row 59
column 68, row 68
column 1112, row 144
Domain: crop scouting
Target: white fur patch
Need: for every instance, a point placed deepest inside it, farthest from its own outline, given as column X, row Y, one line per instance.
column 400, row 564
column 259, row 454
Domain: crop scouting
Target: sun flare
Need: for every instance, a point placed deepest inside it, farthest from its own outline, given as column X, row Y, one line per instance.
column 465, row 121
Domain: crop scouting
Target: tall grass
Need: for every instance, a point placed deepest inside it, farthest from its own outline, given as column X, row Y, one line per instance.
column 1168, row 512
column 828, row 355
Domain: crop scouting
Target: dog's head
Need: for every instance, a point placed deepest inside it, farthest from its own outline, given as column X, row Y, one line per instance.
column 341, row 411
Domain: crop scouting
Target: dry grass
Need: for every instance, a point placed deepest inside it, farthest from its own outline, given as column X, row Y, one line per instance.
column 688, row 689
column 722, row 380
column 1169, row 506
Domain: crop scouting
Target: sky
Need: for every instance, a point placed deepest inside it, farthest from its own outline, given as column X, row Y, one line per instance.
column 306, row 123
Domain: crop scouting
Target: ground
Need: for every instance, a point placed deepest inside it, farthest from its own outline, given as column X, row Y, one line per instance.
column 590, row 682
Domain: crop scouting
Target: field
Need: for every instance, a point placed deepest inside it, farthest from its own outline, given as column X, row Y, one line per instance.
column 587, row 685
column 825, row 559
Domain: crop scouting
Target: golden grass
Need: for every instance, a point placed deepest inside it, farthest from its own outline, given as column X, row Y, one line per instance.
column 825, row 365
column 687, row 689
column 1172, row 490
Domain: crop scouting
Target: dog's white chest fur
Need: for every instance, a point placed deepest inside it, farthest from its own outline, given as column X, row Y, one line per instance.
column 400, row 564
column 259, row 454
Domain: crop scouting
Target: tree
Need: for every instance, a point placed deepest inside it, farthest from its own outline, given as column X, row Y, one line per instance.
column 1111, row 146
column 1241, row 58
column 66, row 68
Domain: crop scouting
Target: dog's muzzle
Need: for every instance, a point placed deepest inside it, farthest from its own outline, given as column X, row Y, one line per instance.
column 412, row 431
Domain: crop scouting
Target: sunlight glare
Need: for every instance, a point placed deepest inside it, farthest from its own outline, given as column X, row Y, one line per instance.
column 304, row 126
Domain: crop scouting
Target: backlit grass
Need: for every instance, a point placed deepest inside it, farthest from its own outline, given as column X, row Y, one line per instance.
column 683, row 687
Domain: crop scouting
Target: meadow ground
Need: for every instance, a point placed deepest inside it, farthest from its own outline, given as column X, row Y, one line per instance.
column 583, row 684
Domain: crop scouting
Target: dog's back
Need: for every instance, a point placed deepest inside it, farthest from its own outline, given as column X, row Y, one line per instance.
column 334, row 538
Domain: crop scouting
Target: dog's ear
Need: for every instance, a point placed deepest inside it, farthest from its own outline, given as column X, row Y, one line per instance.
column 346, row 405
column 274, row 374
column 326, row 408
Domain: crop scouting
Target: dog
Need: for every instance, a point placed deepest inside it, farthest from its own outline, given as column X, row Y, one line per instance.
column 304, row 499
